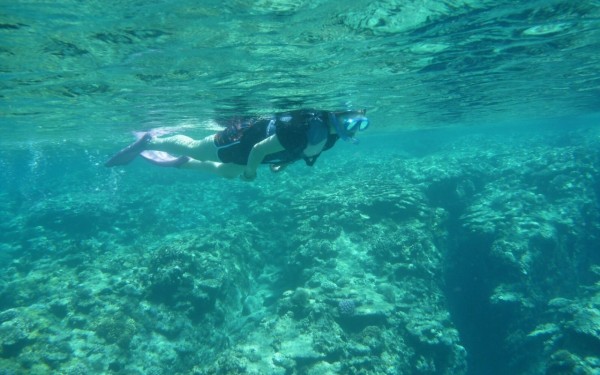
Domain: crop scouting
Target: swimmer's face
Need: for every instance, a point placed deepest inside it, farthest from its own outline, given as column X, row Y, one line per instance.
column 349, row 122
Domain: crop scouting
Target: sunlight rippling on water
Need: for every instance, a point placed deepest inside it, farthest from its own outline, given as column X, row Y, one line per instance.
column 93, row 69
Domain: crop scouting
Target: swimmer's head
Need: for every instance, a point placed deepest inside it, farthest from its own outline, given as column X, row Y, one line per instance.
column 347, row 123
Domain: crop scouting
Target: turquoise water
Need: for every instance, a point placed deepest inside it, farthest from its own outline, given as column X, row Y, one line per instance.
column 459, row 237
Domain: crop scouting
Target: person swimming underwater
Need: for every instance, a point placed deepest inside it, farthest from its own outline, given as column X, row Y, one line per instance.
column 245, row 143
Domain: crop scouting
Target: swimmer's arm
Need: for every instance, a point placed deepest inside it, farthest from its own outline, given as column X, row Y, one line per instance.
column 263, row 148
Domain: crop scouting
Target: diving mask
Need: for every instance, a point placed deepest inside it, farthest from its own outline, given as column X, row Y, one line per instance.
column 357, row 123
column 351, row 122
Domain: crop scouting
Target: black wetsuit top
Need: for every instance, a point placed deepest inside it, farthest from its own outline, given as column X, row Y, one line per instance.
column 296, row 130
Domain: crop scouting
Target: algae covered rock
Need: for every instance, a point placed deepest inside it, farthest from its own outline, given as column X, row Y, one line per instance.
column 15, row 335
column 116, row 329
column 184, row 276
column 586, row 322
column 563, row 363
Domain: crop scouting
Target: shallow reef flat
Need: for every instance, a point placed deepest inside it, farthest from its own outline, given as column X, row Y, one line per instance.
column 476, row 256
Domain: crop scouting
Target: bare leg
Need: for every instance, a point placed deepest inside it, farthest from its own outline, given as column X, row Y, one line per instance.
column 226, row 170
column 193, row 154
column 201, row 150
column 203, row 154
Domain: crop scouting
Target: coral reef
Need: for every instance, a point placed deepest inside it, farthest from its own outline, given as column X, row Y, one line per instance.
column 476, row 258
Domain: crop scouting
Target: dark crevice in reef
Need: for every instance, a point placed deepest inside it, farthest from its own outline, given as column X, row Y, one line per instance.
column 468, row 286
column 468, row 290
column 519, row 252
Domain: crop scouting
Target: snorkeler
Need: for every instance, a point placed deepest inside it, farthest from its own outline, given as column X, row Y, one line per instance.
column 246, row 143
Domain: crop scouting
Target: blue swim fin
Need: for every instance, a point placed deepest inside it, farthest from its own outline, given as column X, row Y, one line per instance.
column 126, row 155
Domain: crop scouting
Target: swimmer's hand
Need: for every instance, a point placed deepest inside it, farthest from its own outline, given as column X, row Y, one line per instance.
column 263, row 148
column 248, row 176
